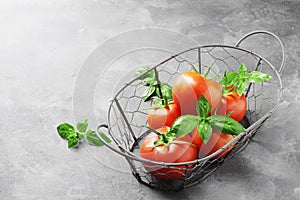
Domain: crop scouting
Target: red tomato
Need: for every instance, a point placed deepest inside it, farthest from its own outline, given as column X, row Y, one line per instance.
column 160, row 117
column 196, row 140
column 188, row 88
column 173, row 153
column 235, row 104
column 216, row 141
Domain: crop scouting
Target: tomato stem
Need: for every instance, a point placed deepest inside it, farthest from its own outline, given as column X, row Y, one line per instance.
column 164, row 138
column 216, row 76
column 165, row 101
column 151, row 129
column 208, row 70
column 194, row 68
column 228, row 90
column 149, row 147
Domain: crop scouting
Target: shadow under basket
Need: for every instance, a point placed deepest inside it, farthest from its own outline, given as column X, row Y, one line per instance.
column 127, row 115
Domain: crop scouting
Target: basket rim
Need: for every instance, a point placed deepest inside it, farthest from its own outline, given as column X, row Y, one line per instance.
column 128, row 154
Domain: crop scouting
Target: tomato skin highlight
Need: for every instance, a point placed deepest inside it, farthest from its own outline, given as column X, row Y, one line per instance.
column 216, row 141
column 165, row 116
column 235, row 104
column 174, row 153
column 189, row 86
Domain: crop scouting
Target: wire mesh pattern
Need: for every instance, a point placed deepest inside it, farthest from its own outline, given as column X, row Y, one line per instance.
column 127, row 113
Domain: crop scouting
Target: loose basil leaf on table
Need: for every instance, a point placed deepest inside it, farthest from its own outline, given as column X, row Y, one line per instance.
column 94, row 140
column 73, row 141
column 65, row 130
column 68, row 132
column 82, row 126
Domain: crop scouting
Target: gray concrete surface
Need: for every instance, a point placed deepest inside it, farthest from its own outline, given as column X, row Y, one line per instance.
column 43, row 48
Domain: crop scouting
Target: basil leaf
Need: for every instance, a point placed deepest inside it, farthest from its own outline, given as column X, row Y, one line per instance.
column 242, row 69
column 72, row 141
column 203, row 107
column 205, row 131
column 104, row 137
column 241, row 86
column 148, row 93
column 238, row 80
column 65, row 130
column 80, row 135
column 158, row 103
column 166, row 91
column 231, row 78
column 82, row 126
column 94, row 140
column 226, row 125
column 256, row 76
column 184, row 125
column 148, row 78
column 224, row 79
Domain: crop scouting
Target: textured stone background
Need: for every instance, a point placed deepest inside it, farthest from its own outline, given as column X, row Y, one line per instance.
column 43, row 46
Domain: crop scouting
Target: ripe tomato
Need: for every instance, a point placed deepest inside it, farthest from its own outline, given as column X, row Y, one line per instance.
column 189, row 86
column 164, row 116
column 172, row 153
column 235, row 104
column 216, row 141
column 196, row 139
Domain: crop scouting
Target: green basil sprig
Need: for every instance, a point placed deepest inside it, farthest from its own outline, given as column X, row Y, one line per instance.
column 68, row 132
column 148, row 79
column 185, row 124
column 238, row 79
column 152, row 90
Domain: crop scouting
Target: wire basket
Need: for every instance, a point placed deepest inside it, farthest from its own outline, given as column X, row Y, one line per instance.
column 127, row 115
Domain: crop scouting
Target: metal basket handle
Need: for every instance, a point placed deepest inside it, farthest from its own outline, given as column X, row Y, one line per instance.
column 119, row 151
column 270, row 34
